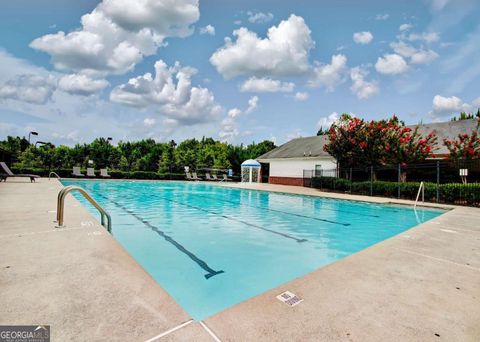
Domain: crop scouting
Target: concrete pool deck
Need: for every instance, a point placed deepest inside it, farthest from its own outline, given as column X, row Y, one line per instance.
column 421, row 285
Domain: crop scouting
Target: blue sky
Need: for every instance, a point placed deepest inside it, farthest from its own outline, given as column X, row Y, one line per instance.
column 238, row 71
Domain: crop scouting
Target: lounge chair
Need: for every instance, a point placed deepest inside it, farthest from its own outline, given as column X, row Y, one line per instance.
column 195, row 177
column 76, row 172
column 104, row 173
column 214, row 177
column 90, row 172
column 226, row 179
column 208, row 177
column 9, row 173
column 188, row 176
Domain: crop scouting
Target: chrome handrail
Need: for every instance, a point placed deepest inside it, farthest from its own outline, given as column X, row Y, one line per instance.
column 53, row 173
column 422, row 189
column 61, row 206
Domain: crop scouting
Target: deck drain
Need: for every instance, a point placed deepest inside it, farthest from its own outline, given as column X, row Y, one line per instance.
column 289, row 298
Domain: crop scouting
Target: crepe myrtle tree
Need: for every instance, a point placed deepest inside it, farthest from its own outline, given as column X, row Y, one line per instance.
column 355, row 142
column 465, row 147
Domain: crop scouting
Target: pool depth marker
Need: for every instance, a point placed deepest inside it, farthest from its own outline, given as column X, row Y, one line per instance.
column 181, row 248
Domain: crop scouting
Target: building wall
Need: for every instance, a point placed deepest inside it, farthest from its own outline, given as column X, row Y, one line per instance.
column 293, row 168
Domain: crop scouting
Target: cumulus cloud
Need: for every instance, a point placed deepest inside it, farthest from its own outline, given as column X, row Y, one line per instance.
column 427, row 37
column 29, row 88
column 476, row 102
column 252, row 104
column 360, row 87
column 364, row 37
column 171, row 91
column 284, row 52
column 382, row 16
column 329, row 75
column 78, row 84
column 149, row 122
column 405, row 27
column 229, row 125
column 443, row 106
column 301, row 96
column 326, row 122
column 209, row 29
column 259, row 17
column 117, row 34
column 266, row 85
column 391, row 64
column 423, row 57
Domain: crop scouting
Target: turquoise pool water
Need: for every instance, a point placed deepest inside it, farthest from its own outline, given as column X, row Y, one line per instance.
column 211, row 247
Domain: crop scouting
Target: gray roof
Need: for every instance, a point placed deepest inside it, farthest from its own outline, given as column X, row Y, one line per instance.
column 299, row 148
column 313, row 146
column 447, row 130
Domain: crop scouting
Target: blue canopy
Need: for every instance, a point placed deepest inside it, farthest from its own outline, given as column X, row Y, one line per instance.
column 251, row 162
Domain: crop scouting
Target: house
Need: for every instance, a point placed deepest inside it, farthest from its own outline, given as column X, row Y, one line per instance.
column 288, row 162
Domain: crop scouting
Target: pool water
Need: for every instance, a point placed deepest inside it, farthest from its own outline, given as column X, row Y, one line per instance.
column 211, row 247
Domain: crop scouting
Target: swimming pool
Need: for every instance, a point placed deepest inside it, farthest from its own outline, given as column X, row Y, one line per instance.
column 211, row 247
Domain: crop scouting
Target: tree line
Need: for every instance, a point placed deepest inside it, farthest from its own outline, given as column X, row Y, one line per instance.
column 142, row 155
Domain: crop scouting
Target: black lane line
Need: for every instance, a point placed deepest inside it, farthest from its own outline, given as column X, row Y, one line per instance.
column 315, row 218
column 235, row 219
column 181, row 248
column 275, row 210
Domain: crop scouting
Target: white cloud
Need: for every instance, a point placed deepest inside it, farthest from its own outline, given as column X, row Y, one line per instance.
column 252, row 104
column 329, row 75
column 229, row 126
column 391, row 64
column 476, row 102
column 364, row 37
column 284, row 52
column 78, row 84
column 382, row 16
column 360, row 87
column 405, row 27
column 29, row 88
column 259, row 17
column 427, row 37
column 301, row 96
column 149, row 122
column 326, row 122
column 403, row 49
column 443, row 106
column 171, row 91
column 438, row 5
column 266, row 85
column 423, row 57
column 117, row 34
column 209, row 29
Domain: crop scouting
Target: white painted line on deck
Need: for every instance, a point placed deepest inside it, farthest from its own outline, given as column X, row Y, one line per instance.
column 215, row 337
column 170, row 331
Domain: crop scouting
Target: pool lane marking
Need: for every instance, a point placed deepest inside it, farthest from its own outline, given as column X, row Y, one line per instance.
column 236, row 220
column 321, row 208
column 181, row 248
column 169, row 331
column 275, row 210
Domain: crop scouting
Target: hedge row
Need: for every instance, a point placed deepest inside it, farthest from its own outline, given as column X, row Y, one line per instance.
column 455, row 193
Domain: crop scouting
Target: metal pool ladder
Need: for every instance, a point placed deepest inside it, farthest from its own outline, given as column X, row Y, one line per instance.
column 421, row 189
column 61, row 206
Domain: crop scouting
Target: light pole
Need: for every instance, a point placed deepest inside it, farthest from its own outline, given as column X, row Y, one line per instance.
column 31, row 133
column 109, row 139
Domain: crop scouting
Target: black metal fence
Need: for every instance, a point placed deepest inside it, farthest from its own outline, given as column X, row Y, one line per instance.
column 442, row 179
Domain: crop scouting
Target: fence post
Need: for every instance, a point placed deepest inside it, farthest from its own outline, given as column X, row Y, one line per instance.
column 371, row 180
column 399, row 171
column 438, row 181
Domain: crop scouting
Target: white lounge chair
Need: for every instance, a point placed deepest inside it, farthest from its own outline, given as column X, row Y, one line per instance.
column 226, row 179
column 76, row 172
column 9, row 173
column 195, row 177
column 188, row 176
column 104, row 173
column 214, row 177
column 208, row 177
column 90, row 172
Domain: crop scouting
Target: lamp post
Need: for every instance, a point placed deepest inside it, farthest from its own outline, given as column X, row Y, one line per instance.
column 109, row 139
column 40, row 142
column 31, row 133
